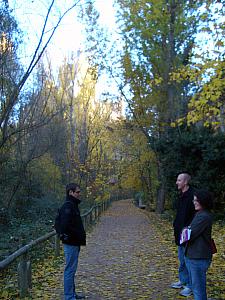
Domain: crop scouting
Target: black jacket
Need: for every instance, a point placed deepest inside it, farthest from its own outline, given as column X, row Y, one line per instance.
column 185, row 213
column 71, row 223
column 198, row 247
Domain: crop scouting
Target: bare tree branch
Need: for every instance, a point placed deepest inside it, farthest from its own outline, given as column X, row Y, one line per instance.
column 5, row 116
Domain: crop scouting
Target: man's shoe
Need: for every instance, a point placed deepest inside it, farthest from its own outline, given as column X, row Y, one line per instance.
column 176, row 285
column 186, row 292
column 79, row 296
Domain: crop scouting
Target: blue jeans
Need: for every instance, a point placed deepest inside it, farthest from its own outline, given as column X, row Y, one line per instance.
column 71, row 261
column 197, row 269
column 183, row 271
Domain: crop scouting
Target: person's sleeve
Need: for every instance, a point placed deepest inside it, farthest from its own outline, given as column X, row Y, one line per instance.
column 198, row 225
column 66, row 218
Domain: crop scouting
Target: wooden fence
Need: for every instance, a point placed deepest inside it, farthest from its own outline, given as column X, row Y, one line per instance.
column 24, row 267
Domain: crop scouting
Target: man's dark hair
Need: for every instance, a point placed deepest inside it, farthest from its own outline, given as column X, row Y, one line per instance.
column 204, row 198
column 71, row 187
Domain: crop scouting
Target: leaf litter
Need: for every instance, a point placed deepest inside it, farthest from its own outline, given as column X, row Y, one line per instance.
column 130, row 254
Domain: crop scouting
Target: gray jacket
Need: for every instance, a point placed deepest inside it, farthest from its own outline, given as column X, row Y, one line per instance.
column 199, row 244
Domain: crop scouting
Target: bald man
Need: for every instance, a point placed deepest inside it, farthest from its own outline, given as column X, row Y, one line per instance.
column 184, row 216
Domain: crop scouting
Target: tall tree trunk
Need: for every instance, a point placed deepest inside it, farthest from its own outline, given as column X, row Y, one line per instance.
column 160, row 199
column 222, row 122
column 160, row 202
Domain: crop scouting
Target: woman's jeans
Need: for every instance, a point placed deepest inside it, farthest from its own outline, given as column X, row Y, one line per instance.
column 183, row 271
column 197, row 269
column 71, row 261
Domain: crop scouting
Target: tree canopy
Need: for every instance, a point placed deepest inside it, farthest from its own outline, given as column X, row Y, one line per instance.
column 59, row 129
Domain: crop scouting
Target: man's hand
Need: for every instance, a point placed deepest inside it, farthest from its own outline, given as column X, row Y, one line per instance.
column 64, row 237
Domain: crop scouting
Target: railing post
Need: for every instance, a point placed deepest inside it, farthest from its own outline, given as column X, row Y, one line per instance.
column 57, row 245
column 29, row 275
column 99, row 210
column 85, row 222
column 96, row 216
column 91, row 219
column 88, row 220
column 24, row 276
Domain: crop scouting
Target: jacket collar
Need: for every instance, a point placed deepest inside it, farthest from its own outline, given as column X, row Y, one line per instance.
column 73, row 199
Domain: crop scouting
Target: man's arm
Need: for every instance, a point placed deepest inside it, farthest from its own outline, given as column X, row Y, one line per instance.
column 66, row 218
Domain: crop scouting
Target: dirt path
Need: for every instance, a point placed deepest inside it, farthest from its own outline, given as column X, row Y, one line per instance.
column 126, row 258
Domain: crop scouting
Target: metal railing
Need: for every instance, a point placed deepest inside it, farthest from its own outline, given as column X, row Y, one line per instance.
column 24, row 267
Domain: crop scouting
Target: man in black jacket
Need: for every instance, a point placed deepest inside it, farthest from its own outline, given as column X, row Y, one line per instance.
column 73, row 236
column 184, row 216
